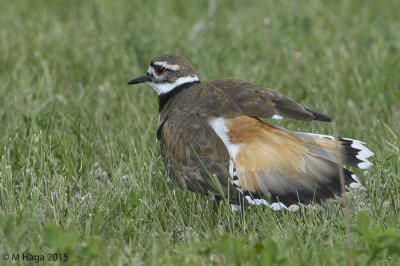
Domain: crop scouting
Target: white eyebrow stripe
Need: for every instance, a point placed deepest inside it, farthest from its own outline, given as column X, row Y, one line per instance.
column 151, row 71
column 168, row 66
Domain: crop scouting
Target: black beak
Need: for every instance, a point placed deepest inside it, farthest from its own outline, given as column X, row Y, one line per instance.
column 142, row 79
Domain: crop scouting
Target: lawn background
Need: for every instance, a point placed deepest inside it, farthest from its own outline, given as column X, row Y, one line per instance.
column 81, row 172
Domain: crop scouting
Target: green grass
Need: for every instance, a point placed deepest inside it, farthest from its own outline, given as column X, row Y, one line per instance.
column 81, row 172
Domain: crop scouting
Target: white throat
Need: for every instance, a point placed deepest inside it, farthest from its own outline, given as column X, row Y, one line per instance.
column 162, row 88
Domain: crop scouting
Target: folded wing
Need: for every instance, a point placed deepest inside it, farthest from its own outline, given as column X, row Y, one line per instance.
column 261, row 102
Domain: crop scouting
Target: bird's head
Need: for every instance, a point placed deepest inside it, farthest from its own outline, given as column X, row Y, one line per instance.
column 167, row 72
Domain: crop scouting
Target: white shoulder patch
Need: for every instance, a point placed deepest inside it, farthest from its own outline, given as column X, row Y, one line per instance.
column 218, row 124
column 277, row 117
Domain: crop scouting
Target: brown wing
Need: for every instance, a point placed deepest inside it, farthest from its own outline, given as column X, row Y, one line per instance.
column 192, row 152
column 257, row 101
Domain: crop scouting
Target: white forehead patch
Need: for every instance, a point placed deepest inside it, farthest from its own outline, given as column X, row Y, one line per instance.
column 162, row 88
column 168, row 66
column 152, row 72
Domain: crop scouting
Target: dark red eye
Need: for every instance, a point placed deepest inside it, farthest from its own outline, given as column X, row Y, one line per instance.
column 159, row 69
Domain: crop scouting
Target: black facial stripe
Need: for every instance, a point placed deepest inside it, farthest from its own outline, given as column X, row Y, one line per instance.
column 152, row 64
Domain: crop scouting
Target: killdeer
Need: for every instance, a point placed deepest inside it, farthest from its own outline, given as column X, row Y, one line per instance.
column 212, row 131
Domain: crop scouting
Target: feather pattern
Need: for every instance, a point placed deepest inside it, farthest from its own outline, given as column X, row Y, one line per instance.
column 213, row 143
column 292, row 168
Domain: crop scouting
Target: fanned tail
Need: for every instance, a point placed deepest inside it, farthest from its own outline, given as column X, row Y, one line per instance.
column 345, row 151
column 284, row 169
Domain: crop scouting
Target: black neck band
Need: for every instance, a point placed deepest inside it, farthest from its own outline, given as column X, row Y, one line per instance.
column 165, row 97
